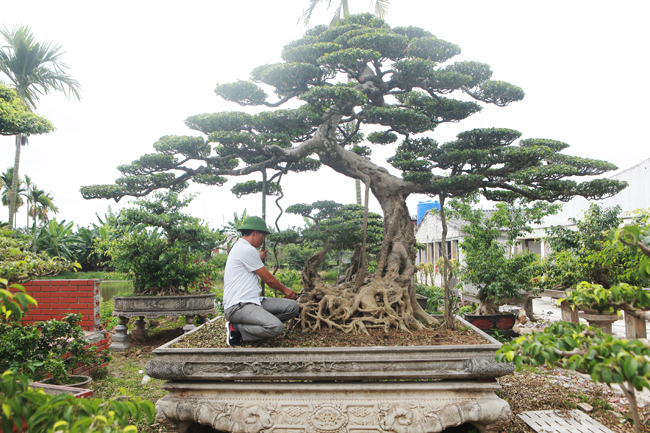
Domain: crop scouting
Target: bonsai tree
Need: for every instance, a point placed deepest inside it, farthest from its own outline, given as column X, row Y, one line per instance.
column 490, row 263
column 399, row 86
column 587, row 254
column 575, row 346
column 50, row 348
column 163, row 249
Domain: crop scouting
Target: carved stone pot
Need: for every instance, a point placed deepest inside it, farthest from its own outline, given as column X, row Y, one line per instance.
column 331, row 390
column 153, row 307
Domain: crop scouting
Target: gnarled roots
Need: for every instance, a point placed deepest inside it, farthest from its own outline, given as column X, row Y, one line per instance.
column 379, row 304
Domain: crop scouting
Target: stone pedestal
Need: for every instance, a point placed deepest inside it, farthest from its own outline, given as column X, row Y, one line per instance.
column 399, row 407
column 602, row 321
column 568, row 314
column 153, row 307
column 634, row 328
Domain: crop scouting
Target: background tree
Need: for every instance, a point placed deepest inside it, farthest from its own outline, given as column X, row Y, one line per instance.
column 8, row 182
column 587, row 254
column 399, row 83
column 41, row 205
column 343, row 10
column 15, row 118
column 34, row 69
column 490, row 263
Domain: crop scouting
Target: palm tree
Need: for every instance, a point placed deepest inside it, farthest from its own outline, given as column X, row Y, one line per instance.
column 7, row 181
column 34, row 69
column 381, row 9
column 29, row 186
column 42, row 203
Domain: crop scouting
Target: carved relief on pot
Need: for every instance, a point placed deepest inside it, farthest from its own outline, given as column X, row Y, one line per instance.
column 488, row 366
column 328, row 418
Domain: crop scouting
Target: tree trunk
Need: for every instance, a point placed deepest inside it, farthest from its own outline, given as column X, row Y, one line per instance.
column 449, row 318
column 357, row 187
column 389, row 300
column 14, row 183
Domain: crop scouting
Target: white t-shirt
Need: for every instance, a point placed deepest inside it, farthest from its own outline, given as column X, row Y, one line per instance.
column 240, row 282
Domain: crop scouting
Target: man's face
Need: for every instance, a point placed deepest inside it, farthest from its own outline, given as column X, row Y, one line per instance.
column 257, row 239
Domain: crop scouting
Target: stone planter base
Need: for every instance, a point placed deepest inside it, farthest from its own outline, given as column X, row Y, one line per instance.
column 400, row 407
column 153, row 307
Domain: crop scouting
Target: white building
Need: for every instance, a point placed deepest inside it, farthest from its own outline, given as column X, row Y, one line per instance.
column 635, row 196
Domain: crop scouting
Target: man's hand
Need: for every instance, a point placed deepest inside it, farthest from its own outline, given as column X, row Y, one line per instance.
column 263, row 254
column 289, row 294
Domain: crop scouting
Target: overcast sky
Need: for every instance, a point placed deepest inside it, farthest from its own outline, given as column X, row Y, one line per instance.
column 146, row 66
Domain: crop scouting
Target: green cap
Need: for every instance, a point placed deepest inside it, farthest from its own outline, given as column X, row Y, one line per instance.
column 254, row 223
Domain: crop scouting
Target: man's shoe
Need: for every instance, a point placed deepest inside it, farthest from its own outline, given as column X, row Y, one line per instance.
column 233, row 337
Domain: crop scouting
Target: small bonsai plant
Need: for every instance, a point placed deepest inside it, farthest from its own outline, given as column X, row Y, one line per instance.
column 51, row 348
column 165, row 251
column 489, row 260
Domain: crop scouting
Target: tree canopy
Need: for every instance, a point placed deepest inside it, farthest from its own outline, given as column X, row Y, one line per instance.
column 399, row 84
column 16, row 118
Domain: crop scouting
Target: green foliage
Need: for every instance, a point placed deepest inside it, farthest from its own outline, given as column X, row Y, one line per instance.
column 15, row 118
column 31, row 409
column 435, row 297
column 588, row 254
column 576, row 346
column 291, row 278
column 609, row 301
column 51, row 347
column 14, row 305
column 58, row 240
column 106, row 315
column 164, row 250
column 489, row 263
column 18, row 264
column 637, row 238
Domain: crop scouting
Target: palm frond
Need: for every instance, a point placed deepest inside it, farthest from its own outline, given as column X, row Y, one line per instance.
column 381, row 7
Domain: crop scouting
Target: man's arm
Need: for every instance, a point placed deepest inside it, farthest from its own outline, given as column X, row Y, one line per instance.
column 274, row 283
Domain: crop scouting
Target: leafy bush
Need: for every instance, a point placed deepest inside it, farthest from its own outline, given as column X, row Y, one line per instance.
column 33, row 411
column 587, row 254
column 18, row 264
column 106, row 310
column 291, row 278
column 490, row 264
column 164, row 250
column 52, row 347
column 435, row 297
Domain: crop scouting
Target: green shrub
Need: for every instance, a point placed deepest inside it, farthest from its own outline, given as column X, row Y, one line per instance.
column 435, row 297
column 290, row 278
column 53, row 347
column 106, row 310
column 33, row 411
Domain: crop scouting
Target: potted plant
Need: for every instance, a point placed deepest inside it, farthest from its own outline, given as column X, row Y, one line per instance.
column 586, row 256
column 48, row 351
column 490, row 262
column 167, row 254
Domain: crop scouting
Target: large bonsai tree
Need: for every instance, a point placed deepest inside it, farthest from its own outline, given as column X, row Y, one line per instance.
column 398, row 82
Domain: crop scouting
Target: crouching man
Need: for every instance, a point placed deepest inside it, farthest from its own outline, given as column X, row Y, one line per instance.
column 249, row 316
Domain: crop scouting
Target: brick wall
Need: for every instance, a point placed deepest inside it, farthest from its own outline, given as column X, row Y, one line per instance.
column 56, row 298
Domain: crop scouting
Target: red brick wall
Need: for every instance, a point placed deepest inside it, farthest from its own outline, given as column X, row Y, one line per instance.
column 56, row 298
column 100, row 345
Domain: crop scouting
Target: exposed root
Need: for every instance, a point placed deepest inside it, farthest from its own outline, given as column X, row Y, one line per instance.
column 379, row 304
